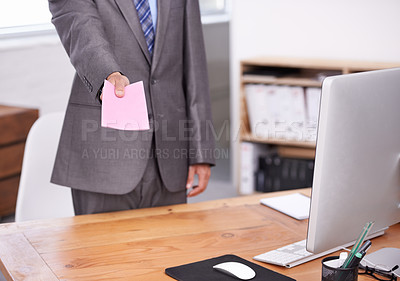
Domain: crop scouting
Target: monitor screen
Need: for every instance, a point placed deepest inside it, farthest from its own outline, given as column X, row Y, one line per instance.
column 357, row 163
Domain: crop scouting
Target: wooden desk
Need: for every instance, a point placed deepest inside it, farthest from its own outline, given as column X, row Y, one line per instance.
column 140, row 244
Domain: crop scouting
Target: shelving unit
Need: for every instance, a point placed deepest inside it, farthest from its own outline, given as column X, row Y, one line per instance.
column 301, row 72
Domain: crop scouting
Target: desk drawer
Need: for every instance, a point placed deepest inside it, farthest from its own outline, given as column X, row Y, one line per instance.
column 11, row 159
column 8, row 195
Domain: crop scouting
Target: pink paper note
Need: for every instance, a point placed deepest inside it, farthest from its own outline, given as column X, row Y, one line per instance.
column 126, row 113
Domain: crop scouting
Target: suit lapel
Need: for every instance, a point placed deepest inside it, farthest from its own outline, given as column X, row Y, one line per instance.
column 128, row 9
column 163, row 7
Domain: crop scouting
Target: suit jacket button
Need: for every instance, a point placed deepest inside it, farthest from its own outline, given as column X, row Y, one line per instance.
column 153, row 81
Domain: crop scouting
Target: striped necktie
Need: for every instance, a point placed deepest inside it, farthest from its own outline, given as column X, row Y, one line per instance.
column 144, row 13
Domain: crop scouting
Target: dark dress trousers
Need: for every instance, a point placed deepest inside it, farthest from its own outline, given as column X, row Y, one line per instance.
column 105, row 36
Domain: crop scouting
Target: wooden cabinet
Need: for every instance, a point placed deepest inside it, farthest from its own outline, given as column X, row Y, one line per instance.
column 15, row 123
column 295, row 72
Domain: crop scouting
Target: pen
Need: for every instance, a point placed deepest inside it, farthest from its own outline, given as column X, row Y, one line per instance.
column 365, row 246
column 356, row 259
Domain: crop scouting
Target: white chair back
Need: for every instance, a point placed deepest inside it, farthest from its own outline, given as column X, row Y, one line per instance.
column 37, row 197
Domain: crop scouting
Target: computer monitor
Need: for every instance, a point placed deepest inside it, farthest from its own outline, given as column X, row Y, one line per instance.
column 357, row 163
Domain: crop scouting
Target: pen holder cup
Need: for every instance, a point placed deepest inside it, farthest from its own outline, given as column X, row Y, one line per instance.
column 338, row 274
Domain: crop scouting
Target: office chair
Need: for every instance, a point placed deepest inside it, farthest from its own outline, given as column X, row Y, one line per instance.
column 37, row 197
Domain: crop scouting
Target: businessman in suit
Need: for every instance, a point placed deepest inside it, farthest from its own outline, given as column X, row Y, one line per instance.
column 108, row 169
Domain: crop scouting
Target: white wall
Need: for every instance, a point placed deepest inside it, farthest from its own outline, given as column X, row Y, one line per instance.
column 35, row 72
column 340, row 29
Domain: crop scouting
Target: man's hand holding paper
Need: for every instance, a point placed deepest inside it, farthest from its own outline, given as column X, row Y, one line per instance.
column 119, row 81
column 124, row 108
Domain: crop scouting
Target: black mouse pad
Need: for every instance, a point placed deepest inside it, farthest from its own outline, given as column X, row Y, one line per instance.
column 204, row 271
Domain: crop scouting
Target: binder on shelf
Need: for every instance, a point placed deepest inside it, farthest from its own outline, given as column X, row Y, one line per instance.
column 256, row 103
column 278, row 173
column 250, row 152
column 276, row 112
column 261, row 101
column 264, row 174
column 298, row 111
column 313, row 96
column 283, row 108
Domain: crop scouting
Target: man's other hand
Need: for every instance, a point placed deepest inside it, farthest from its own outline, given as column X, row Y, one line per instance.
column 203, row 172
column 119, row 81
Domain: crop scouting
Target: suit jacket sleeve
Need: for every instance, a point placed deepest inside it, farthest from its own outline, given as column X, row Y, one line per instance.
column 82, row 33
column 202, row 142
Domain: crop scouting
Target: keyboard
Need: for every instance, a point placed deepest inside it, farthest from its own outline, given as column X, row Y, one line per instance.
column 291, row 255
column 296, row 253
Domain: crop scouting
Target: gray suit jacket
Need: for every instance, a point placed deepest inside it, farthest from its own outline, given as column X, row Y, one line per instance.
column 104, row 36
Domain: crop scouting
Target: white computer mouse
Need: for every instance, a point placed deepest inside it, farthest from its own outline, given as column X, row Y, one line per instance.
column 236, row 269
